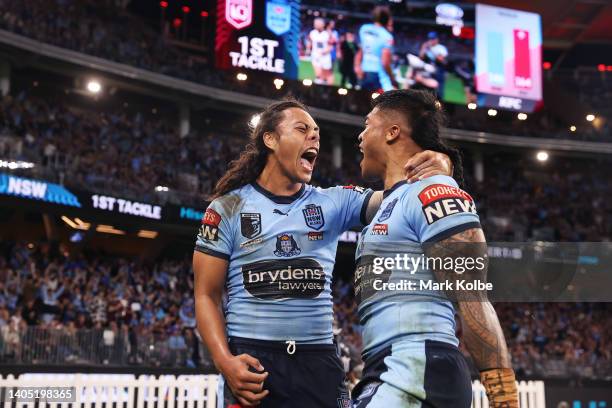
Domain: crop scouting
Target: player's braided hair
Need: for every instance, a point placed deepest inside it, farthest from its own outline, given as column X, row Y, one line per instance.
column 252, row 160
column 426, row 117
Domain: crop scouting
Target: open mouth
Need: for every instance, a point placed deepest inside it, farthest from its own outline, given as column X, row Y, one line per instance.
column 308, row 158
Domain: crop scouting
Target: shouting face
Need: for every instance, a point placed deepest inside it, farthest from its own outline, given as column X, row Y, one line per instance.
column 295, row 145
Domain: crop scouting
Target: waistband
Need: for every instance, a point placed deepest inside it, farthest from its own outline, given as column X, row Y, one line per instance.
column 380, row 354
column 288, row 346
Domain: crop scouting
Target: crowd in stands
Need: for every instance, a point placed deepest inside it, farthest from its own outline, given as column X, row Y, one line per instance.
column 86, row 308
column 97, row 28
column 116, row 153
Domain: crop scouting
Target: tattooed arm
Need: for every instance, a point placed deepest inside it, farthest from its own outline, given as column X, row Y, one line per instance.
column 482, row 332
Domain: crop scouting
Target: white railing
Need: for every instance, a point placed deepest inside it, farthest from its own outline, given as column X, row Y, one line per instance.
column 183, row 391
column 531, row 395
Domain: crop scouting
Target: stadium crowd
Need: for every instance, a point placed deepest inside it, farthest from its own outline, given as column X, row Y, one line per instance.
column 93, row 309
column 97, row 28
column 114, row 153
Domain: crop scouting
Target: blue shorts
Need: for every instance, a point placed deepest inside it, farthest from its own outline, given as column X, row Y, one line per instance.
column 312, row 376
column 413, row 375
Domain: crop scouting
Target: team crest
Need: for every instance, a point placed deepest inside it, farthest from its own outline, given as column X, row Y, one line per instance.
column 278, row 17
column 313, row 215
column 239, row 13
column 250, row 224
column 387, row 211
column 286, row 246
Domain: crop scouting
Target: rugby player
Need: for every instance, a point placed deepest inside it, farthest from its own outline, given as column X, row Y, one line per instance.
column 410, row 348
column 269, row 239
column 373, row 60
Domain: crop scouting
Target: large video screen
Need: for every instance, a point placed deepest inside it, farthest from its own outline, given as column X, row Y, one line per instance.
column 476, row 54
column 429, row 47
column 259, row 35
column 508, row 58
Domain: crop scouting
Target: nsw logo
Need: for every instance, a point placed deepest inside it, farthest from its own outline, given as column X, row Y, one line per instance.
column 313, row 215
column 278, row 17
column 250, row 224
column 286, row 246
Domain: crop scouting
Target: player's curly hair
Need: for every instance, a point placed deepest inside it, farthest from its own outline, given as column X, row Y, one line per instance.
column 425, row 115
column 252, row 160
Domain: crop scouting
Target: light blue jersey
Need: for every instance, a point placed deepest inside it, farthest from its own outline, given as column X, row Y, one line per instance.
column 410, row 215
column 281, row 252
column 373, row 39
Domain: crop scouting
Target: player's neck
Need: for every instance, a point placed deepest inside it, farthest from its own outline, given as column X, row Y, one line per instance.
column 395, row 171
column 277, row 183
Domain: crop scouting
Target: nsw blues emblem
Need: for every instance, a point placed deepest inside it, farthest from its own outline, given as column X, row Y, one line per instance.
column 313, row 215
column 286, row 246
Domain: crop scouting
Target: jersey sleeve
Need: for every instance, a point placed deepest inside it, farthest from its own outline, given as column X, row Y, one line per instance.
column 215, row 236
column 437, row 209
column 352, row 203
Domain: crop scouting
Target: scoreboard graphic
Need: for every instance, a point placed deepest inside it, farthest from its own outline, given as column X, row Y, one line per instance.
column 508, row 58
column 258, row 35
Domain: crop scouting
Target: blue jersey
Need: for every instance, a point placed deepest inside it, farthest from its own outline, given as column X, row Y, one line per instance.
column 373, row 39
column 410, row 215
column 281, row 252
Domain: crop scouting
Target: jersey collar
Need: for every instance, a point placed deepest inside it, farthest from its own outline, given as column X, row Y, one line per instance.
column 278, row 199
column 397, row 185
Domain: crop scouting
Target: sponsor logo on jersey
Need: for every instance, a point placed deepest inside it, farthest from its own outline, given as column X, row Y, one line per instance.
column 357, row 189
column 250, row 224
column 251, row 242
column 209, row 230
column 315, row 236
column 368, row 390
column 302, row 278
column 440, row 201
column 380, row 229
column 286, row 246
column 344, row 401
column 387, row 211
column 313, row 215
column 211, row 217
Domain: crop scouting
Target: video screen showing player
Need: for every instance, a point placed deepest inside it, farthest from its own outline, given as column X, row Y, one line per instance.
column 320, row 47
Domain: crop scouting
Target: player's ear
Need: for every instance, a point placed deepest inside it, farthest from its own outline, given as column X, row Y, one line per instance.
column 270, row 140
column 392, row 133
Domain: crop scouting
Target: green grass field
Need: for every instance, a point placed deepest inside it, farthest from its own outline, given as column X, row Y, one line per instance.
column 453, row 87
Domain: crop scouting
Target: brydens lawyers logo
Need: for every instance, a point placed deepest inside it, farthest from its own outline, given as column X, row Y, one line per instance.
column 239, row 13
column 440, row 201
column 209, row 230
column 286, row 246
column 301, row 278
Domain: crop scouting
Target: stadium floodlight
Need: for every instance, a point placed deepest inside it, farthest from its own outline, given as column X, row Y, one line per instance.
column 241, row 76
column 472, row 106
column 307, row 82
column 572, row 128
column 492, row 112
column 342, row 91
column 94, row 86
column 375, row 95
column 542, row 156
column 254, row 120
column 590, row 117
column 161, row 188
column 522, row 116
column 14, row 165
column 278, row 83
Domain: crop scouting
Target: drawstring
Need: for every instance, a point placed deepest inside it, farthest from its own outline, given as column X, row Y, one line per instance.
column 290, row 346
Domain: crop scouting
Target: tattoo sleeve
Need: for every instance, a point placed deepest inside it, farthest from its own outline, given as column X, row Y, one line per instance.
column 482, row 332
